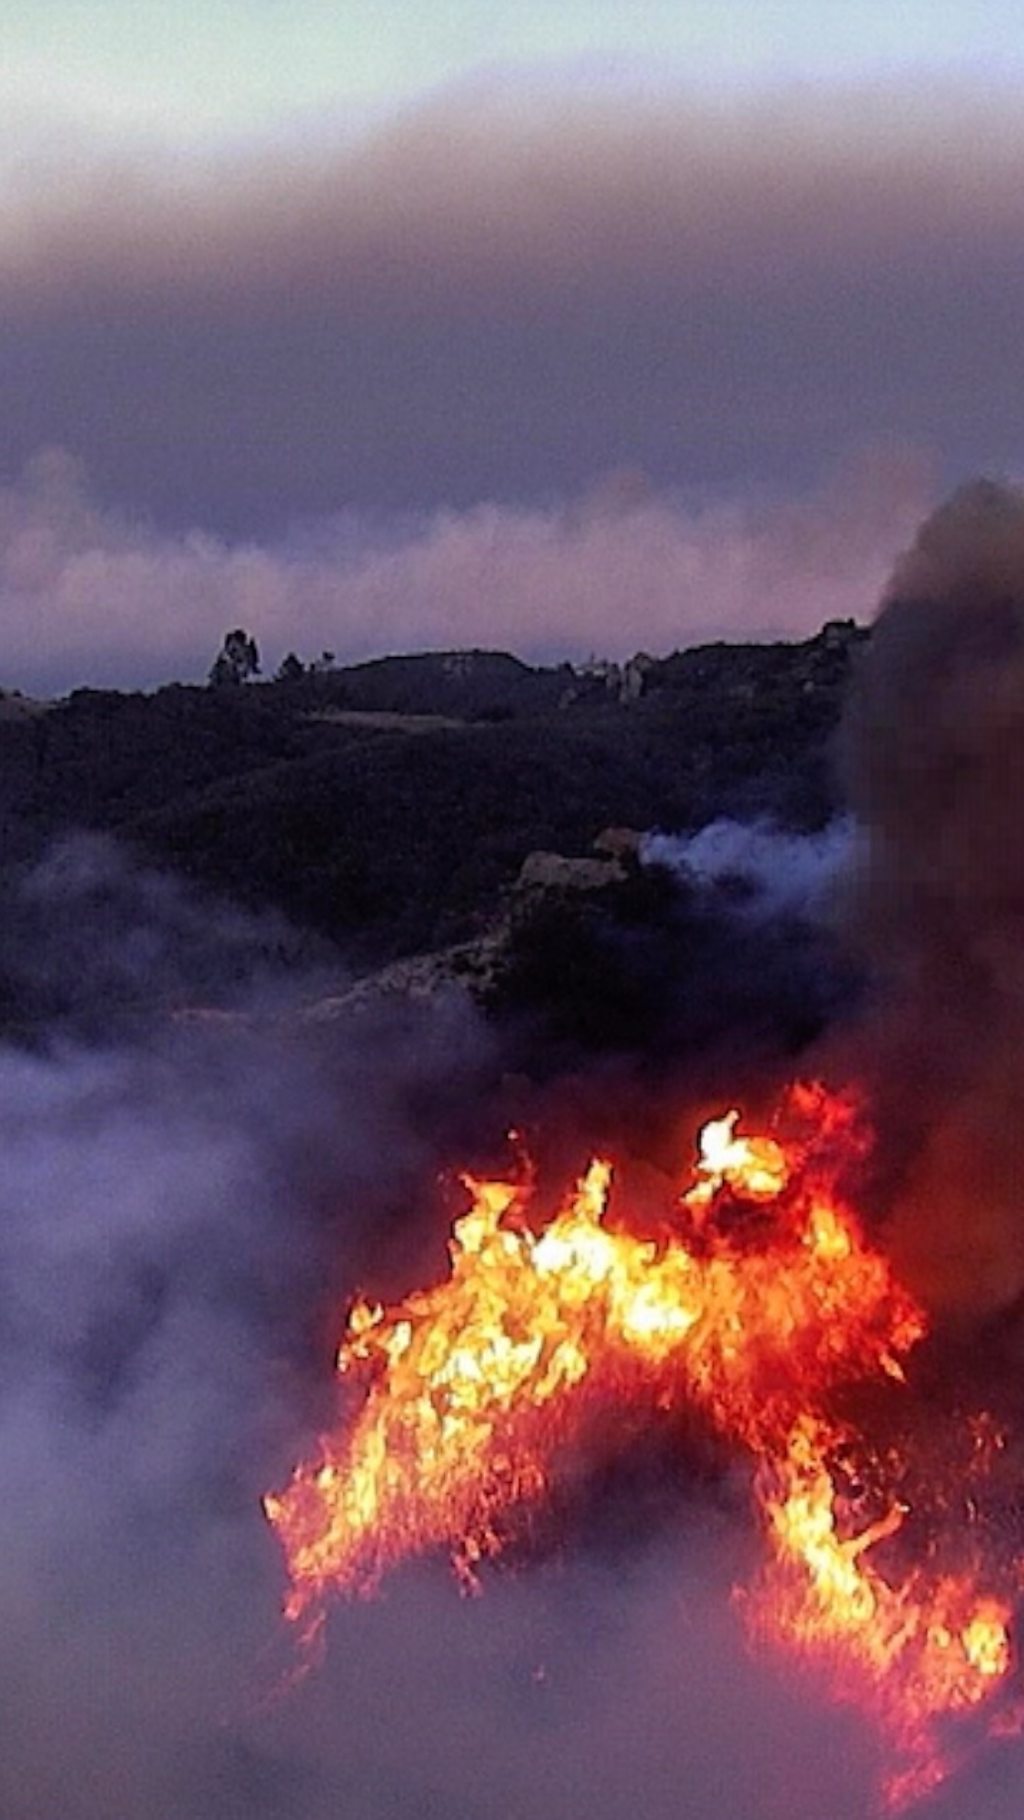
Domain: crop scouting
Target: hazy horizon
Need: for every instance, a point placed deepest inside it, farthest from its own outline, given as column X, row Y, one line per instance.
column 374, row 328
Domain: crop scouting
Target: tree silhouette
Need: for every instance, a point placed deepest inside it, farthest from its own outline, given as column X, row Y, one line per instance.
column 237, row 661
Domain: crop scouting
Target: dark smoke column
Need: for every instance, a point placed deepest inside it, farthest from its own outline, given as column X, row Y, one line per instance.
column 934, row 750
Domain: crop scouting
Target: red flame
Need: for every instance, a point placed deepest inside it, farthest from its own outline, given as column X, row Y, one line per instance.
column 759, row 1303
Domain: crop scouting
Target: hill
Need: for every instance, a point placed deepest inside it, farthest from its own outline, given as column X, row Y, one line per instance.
column 388, row 805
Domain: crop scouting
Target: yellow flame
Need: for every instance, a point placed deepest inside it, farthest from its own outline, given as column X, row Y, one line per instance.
column 465, row 1400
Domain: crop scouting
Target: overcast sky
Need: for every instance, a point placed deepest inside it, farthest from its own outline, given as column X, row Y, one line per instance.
column 356, row 297
column 214, row 68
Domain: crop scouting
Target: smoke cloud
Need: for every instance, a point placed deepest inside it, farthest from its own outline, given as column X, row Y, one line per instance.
column 182, row 1216
column 179, row 1223
column 93, row 596
column 92, row 943
column 935, row 751
column 150, row 1249
column 513, row 289
column 761, row 872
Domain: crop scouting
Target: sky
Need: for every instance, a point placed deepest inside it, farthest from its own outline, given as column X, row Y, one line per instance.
column 368, row 324
column 214, row 68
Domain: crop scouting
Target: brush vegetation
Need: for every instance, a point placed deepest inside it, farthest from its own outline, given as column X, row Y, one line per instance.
column 387, row 806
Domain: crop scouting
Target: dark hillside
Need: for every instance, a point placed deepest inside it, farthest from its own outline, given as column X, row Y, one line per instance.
column 465, row 685
column 390, row 835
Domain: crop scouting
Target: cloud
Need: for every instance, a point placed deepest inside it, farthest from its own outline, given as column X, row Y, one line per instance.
column 89, row 595
column 512, row 289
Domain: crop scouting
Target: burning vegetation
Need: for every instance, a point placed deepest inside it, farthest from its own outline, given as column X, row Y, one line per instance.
column 753, row 1302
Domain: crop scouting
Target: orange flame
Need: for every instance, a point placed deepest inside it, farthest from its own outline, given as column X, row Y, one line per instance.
column 759, row 1304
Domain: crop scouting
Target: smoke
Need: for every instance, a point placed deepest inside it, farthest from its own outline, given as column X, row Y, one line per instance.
column 91, row 596
column 91, row 942
column 156, row 1235
column 758, row 870
column 174, row 1220
column 513, row 288
column 182, row 1215
column 573, row 1694
column 935, row 756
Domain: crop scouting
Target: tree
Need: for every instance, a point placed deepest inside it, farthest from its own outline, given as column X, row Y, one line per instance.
column 238, row 660
column 290, row 668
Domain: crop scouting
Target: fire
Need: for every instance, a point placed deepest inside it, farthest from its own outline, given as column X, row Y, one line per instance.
column 913, row 1648
column 759, row 1304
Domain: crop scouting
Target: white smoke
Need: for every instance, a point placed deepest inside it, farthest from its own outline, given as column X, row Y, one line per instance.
column 92, row 939
column 758, row 870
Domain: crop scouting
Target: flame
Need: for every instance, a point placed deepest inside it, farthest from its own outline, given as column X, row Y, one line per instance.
column 757, row 1303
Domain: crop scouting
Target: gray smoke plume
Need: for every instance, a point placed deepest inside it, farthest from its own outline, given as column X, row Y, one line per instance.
column 186, row 1205
column 763, row 873
column 935, row 758
column 93, row 943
